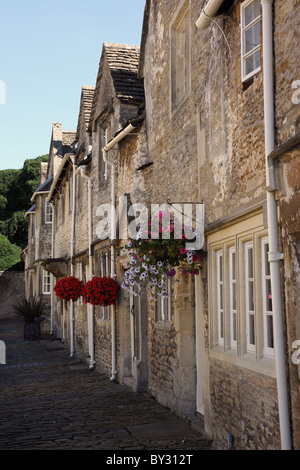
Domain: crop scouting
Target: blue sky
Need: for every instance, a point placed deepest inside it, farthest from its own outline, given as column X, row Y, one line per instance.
column 49, row 49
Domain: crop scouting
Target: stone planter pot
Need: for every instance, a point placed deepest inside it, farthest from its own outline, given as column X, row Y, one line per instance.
column 32, row 331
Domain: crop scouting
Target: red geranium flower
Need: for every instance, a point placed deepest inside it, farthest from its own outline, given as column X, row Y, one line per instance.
column 101, row 291
column 69, row 288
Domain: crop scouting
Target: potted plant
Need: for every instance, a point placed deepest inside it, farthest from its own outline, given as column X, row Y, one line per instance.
column 101, row 291
column 31, row 310
column 156, row 255
column 69, row 288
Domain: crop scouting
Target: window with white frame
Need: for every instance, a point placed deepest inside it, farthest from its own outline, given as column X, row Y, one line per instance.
column 46, row 282
column 267, row 301
column 164, row 304
column 240, row 298
column 105, row 271
column 48, row 213
column 220, row 294
column 79, row 301
column 249, row 291
column 180, row 55
column 232, row 297
column 250, row 38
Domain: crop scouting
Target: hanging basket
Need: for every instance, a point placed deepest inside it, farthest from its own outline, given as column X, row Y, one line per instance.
column 101, row 291
column 69, row 288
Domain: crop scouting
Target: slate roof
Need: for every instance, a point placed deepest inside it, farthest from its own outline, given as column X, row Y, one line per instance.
column 123, row 61
column 68, row 139
column 30, row 211
column 45, row 186
column 86, row 102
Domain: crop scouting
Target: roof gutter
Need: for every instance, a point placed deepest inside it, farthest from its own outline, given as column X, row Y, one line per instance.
column 208, row 12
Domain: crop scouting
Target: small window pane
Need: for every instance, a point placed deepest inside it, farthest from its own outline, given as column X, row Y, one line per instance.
column 270, row 337
column 220, row 268
column 251, row 296
column 267, row 264
column 234, row 326
column 250, row 262
column 252, row 11
column 268, row 296
column 233, row 296
column 251, row 330
column 252, row 37
column 252, row 62
column 221, row 325
column 233, row 266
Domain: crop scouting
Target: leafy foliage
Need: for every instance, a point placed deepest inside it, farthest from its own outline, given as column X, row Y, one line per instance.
column 30, row 309
column 9, row 254
column 16, row 189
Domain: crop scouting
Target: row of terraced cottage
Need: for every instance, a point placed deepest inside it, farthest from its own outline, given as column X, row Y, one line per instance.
column 204, row 113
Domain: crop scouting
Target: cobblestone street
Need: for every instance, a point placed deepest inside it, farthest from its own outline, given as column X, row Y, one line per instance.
column 49, row 402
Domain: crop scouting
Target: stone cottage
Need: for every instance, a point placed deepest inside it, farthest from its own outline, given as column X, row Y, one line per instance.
column 38, row 277
column 205, row 113
column 216, row 123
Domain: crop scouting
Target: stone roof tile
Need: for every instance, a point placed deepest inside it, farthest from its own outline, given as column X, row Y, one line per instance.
column 123, row 61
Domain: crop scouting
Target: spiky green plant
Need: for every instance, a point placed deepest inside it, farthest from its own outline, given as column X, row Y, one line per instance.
column 30, row 309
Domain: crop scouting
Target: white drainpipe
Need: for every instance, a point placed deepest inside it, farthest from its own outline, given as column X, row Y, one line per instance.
column 90, row 307
column 209, row 10
column 72, row 349
column 108, row 147
column 274, row 255
column 52, row 276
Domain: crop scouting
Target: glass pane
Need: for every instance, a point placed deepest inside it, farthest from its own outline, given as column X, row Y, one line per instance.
column 234, row 327
column 233, row 266
column 220, row 268
column 268, row 296
column 221, row 297
column 250, row 262
column 251, row 329
column 252, row 62
column 252, row 11
column 221, row 325
column 252, row 37
column 251, row 296
column 267, row 264
column 270, row 337
column 233, row 297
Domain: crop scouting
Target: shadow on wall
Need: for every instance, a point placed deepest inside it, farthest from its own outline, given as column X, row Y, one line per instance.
column 12, row 289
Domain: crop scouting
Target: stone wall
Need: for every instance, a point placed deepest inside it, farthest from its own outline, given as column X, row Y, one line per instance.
column 244, row 404
column 212, row 148
column 12, row 289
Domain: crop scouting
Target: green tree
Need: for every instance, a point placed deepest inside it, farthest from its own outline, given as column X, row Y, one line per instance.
column 16, row 189
column 9, row 254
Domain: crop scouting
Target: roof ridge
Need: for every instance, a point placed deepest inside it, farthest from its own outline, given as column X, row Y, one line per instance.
column 121, row 45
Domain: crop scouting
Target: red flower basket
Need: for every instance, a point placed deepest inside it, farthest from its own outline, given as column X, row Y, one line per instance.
column 69, row 288
column 101, row 291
